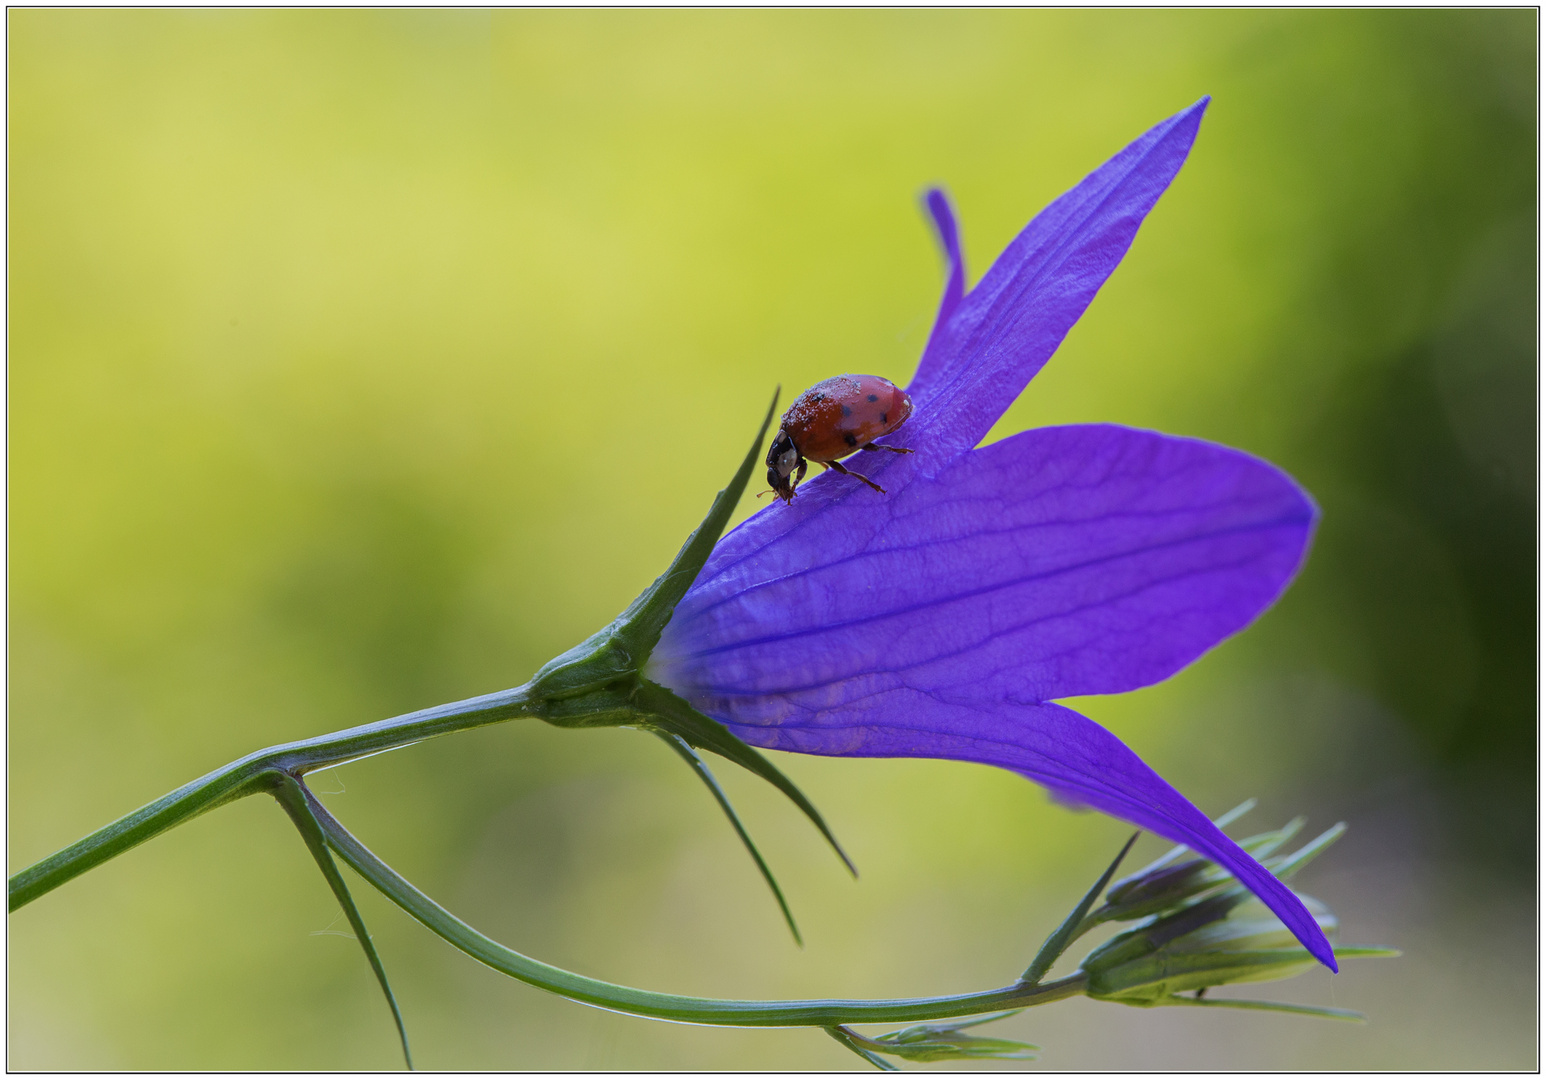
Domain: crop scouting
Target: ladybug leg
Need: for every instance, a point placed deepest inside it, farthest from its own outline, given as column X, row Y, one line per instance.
column 893, row 449
column 799, row 473
column 838, row 465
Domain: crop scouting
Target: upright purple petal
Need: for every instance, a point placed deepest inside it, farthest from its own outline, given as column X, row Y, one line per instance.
column 1011, row 323
column 935, row 353
column 1067, row 753
column 1090, row 559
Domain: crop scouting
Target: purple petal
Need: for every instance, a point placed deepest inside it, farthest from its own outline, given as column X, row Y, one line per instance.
column 936, row 621
column 1090, row 559
column 936, row 352
column 1073, row 756
column 999, row 337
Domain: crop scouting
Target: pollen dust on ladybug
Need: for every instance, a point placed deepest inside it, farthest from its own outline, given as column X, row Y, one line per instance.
column 835, row 418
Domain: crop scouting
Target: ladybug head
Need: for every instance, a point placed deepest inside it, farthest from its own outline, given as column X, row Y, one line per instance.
column 783, row 458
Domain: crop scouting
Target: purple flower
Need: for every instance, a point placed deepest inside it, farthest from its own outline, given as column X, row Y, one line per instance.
column 943, row 619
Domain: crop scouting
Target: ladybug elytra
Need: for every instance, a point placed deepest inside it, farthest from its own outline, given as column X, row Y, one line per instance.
column 835, row 418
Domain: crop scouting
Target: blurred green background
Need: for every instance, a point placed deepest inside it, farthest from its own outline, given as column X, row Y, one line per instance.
column 361, row 361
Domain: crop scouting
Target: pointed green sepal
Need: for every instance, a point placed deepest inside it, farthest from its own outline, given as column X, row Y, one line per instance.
column 1286, row 867
column 687, row 754
column 1058, row 941
column 640, row 626
column 1325, row 1012
column 617, row 653
column 672, row 714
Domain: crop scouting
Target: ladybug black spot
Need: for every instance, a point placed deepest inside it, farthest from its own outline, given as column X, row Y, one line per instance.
column 849, row 438
column 873, row 397
column 847, row 411
column 884, row 419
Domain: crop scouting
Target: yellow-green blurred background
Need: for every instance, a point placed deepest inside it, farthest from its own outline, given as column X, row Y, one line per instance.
column 361, row 361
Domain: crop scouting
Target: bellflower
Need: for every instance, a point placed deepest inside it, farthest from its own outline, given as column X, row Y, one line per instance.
column 945, row 619
column 942, row 619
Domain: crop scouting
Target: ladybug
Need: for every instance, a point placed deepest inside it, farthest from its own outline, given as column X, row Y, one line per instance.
column 831, row 420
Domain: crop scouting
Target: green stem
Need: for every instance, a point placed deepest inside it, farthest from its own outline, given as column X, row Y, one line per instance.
column 693, row 1010
column 253, row 774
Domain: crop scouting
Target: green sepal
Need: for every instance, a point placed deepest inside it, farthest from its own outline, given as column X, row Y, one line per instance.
column 672, row 714
column 616, row 654
column 1060, row 939
column 1286, row 867
column 1325, row 1012
column 676, row 743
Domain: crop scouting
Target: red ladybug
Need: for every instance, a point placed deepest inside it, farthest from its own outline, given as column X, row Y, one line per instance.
column 831, row 420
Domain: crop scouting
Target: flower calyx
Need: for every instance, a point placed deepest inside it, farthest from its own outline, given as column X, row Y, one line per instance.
column 600, row 682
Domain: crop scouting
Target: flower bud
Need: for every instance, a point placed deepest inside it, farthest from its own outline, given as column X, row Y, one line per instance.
column 1222, row 939
column 945, row 1042
column 1167, row 883
column 1159, row 888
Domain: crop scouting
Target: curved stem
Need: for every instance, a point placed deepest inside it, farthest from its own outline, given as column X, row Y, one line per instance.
column 693, row 1010
column 250, row 774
